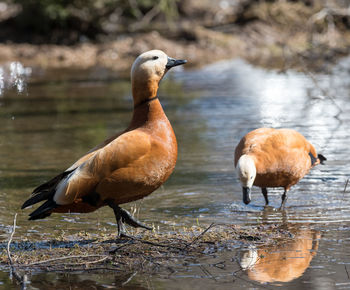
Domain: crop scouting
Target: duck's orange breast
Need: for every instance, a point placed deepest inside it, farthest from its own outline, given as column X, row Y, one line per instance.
column 144, row 174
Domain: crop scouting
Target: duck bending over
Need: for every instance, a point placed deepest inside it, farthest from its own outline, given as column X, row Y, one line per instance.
column 268, row 157
column 126, row 167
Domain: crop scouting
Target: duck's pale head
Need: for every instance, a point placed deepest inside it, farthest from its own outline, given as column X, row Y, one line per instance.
column 148, row 69
column 246, row 172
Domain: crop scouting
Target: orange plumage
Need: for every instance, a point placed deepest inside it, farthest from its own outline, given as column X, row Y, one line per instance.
column 269, row 157
column 125, row 167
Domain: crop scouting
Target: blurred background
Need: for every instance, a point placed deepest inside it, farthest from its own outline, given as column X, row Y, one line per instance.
column 110, row 33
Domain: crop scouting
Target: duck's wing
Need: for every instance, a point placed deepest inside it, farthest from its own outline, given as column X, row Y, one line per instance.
column 81, row 179
column 44, row 190
column 91, row 152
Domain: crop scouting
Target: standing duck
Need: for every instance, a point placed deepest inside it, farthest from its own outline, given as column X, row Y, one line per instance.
column 269, row 157
column 126, row 167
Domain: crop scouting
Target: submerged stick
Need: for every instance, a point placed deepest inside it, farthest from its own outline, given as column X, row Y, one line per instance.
column 346, row 185
column 201, row 234
column 129, row 279
column 12, row 267
column 89, row 262
column 64, row 258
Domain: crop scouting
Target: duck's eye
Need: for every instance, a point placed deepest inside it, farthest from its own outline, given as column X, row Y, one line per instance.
column 155, row 57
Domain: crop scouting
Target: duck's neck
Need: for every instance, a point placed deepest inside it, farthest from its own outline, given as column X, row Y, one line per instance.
column 143, row 91
column 147, row 112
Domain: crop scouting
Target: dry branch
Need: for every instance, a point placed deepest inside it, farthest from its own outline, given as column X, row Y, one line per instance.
column 62, row 258
column 13, row 269
column 325, row 12
column 129, row 279
column 307, row 72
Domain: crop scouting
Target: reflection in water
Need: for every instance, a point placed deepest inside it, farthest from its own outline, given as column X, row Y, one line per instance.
column 283, row 262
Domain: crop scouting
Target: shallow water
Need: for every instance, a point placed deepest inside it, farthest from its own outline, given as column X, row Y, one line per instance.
column 50, row 124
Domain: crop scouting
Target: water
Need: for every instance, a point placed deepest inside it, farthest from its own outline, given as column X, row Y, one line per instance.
column 49, row 124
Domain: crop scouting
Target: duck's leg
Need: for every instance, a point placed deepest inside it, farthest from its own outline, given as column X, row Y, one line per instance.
column 118, row 218
column 284, row 198
column 123, row 216
column 264, row 192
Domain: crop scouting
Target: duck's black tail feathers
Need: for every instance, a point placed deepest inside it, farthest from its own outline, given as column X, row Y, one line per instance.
column 43, row 211
column 43, row 192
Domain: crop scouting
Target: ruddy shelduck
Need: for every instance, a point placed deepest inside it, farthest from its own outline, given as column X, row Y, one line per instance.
column 126, row 167
column 268, row 157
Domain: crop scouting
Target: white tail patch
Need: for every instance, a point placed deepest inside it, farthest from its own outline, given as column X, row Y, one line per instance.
column 62, row 188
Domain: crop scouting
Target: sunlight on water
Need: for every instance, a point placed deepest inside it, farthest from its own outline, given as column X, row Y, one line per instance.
column 14, row 75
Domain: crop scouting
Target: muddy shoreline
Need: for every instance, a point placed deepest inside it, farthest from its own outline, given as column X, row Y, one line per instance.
column 117, row 56
column 145, row 252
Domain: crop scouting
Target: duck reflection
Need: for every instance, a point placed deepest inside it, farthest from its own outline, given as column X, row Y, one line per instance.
column 283, row 262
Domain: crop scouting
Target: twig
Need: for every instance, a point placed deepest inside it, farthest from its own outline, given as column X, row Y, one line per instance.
column 206, row 272
column 88, row 262
column 221, row 265
column 324, row 92
column 13, row 270
column 129, row 279
column 346, row 185
column 307, row 72
column 57, row 270
column 151, row 243
column 347, row 273
column 322, row 14
column 61, row 258
column 147, row 18
column 136, row 9
column 200, row 235
column 122, row 246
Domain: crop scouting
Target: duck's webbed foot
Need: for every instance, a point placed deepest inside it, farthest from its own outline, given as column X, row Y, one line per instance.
column 123, row 216
column 129, row 219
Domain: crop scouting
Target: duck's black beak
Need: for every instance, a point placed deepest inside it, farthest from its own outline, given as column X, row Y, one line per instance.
column 174, row 62
column 246, row 195
column 321, row 158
